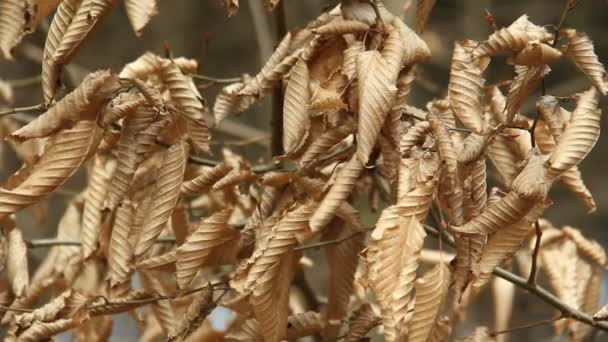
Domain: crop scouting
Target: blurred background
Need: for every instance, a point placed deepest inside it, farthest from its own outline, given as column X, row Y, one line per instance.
column 228, row 47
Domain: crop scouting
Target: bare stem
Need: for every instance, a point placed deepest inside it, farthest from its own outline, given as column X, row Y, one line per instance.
column 533, row 269
column 215, row 79
column 333, row 242
column 527, row 326
column 29, row 109
column 276, row 122
column 52, row 242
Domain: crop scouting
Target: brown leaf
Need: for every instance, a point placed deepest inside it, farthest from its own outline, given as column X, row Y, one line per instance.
column 195, row 314
column 346, row 179
column 526, row 80
column 392, row 261
column 82, row 104
column 88, row 15
column 376, row 95
column 295, row 107
column 579, row 137
column 503, row 244
column 92, row 216
column 232, row 7
column 120, row 250
column 466, row 84
column 213, row 242
column 342, row 260
column 140, row 12
column 188, row 102
column 362, row 320
column 340, row 27
column 431, row 292
column 16, row 262
column 165, row 195
column 13, row 24
column 64, row 154
column 580, row 50
column 537, row 53
column 514, row 37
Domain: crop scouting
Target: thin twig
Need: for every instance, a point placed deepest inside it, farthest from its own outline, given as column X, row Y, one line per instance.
column 276, row 122
column 333, row 242
column 533, row 268
column 527, row 326
column 216, row 79
column 6, row 308
column 29, row 109
column 538, row 291
column 52, row 242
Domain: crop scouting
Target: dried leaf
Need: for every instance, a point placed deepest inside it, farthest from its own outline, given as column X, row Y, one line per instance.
column 514, row 37
column 165, row 195
column 65, row 152
column 376, row 95
column 466, row 83
column 295, row 107
column 431, row 292
column 232, row 7
column 340, row 27
column 188, row 102
column 16, row 262
column 14, row 16
column 392, row 262
column 346, row 179
column 140, row 12
column 503, row 244
column 304, row 324
column 82, row 104
column 362, row 320
column 212, row 237
column 524, row 83
column 537, row 53
column 580, row 135
column 88, row 15
column 120, row 251
column 580, row 50
column 92, row 216
column 197, row 311
column 342, row 260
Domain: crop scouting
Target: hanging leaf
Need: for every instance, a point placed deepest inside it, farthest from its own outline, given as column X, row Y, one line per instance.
column 431, row 292
column 580, row 50
column 295, row 108
column 140, row 12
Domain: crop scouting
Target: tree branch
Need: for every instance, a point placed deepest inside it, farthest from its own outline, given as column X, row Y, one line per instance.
column 533, row 269
column 538, row 291
column 276, row 122
column 29, row 109
column 527, row 326
column 215, row 79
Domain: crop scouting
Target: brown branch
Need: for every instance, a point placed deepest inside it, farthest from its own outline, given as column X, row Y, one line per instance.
column 538, row 291
column 29, row 109
column 215, row 80
column 526, row 326
column 52, row 242
column 276, row 122
column 333, row 242
column 534, row 267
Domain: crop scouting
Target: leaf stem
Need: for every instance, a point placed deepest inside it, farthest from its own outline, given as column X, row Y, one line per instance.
column 527, row 326
column 533, row 268
column 35, row 108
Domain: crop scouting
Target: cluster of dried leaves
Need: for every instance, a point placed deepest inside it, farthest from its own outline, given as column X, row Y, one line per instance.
column 348, row 132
